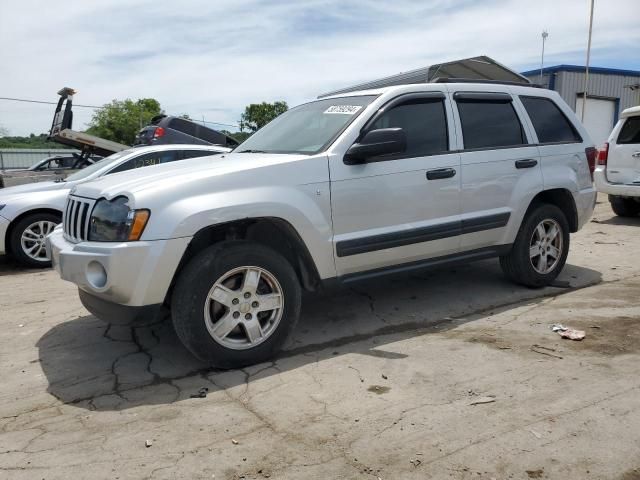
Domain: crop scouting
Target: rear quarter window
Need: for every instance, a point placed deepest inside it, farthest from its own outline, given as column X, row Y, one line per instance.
column 630, row 131
column 184, row 126
column 549, row 122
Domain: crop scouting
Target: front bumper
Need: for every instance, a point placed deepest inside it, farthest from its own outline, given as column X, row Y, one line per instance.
column 617, row 189
column 4, row 226
column 127, row 273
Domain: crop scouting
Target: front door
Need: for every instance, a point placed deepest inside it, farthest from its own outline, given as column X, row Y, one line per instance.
column 400, row 208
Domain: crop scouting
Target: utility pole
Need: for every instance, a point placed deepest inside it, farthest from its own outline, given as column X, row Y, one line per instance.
column 586, row 70
column 545, row 34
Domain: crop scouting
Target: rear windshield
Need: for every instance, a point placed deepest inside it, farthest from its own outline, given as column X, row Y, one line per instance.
column 630, row 132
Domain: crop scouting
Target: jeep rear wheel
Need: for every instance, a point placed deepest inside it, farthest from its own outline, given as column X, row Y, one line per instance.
column 541, row 247
column 624, row 207
column 235, row 304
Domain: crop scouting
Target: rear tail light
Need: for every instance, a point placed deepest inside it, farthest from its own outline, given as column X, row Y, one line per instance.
column 159, row 132
column 591, row 154
column 603, row 154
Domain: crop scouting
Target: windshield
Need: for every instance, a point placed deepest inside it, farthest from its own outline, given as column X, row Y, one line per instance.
column 309, row 128
column 91, row 169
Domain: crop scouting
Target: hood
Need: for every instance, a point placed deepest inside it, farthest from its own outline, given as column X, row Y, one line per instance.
column 181, row 173
column 31, row 188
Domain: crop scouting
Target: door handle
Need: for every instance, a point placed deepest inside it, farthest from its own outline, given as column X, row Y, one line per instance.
column 440, row 173
column 528, row 163
column 636, row 154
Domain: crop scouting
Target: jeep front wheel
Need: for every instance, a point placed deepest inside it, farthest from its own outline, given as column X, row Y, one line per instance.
column 235, row 304
column 540, row 249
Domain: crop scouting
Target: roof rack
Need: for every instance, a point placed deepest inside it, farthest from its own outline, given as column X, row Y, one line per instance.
column 476, row 80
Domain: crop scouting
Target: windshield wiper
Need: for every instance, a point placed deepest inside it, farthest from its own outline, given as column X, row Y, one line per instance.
column 252, row 151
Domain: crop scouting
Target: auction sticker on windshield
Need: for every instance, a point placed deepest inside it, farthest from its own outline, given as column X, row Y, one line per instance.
column 345, row 109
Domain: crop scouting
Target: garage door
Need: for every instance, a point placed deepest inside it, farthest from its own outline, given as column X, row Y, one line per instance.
column 598, row 118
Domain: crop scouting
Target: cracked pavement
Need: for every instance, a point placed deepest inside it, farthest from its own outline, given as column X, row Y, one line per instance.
column 377, row 381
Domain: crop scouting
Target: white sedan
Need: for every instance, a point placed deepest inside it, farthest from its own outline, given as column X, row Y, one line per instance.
column 28, row 213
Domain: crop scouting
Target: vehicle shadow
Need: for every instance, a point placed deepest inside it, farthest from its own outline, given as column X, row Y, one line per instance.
column 8, row 266
column 615, row 220
column 92, row 365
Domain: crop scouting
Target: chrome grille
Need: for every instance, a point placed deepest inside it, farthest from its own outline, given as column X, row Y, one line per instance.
column 75, row 219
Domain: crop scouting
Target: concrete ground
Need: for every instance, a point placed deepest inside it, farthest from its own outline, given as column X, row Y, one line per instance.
column 448, row 374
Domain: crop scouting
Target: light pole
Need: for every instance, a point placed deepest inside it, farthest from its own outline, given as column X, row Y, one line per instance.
column 586, row 70
column 545, row 34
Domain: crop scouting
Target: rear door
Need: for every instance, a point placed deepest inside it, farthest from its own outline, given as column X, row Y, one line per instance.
column 500, row 166
column 623, row 165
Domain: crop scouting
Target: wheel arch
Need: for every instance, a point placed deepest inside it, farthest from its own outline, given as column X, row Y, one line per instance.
column 272, row 232
column 561, row 198
column 16, row 220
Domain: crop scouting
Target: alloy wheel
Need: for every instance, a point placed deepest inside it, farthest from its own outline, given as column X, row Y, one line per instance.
column 33, row 238
column 545, row 248
column 244, row 307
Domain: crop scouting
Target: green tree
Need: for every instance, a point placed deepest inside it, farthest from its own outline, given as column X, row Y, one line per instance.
column 121, row 120
column 32, row 141
column 257, row 115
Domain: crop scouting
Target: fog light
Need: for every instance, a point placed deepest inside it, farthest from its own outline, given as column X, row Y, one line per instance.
column 96, row 274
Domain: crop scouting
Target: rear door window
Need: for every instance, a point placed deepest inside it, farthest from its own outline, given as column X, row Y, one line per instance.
column 197, row 153
column 489, row 124
column 549, row 122
column 211, row 136
column 146, row 160
column 630, row 132
column 68, row 162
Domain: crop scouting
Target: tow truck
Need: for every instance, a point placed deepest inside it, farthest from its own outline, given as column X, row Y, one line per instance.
column 90, row 147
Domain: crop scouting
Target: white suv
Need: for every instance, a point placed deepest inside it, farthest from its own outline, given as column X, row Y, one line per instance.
column 618, row 170
column 335, row 190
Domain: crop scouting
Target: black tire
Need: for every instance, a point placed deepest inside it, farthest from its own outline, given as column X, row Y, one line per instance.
column 518, row 266
column 15, row 239
column 624, row 207
column 197, row 279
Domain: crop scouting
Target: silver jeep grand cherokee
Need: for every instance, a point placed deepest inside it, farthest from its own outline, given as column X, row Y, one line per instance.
column 334, row 190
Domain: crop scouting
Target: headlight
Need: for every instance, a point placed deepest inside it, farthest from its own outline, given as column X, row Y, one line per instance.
column 114, row 221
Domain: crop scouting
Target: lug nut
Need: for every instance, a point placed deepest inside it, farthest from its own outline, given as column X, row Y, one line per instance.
column 235, row 301
column 255, row 304
column 247, row 295
column 247, row 316
column 236, row 314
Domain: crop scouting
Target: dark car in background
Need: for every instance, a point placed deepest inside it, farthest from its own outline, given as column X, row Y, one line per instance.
column 166, row 129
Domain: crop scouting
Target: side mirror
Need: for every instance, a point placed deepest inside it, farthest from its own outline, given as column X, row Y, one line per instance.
column 383, row 141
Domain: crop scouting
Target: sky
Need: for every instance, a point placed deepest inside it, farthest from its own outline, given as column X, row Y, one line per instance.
column 210, row 59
